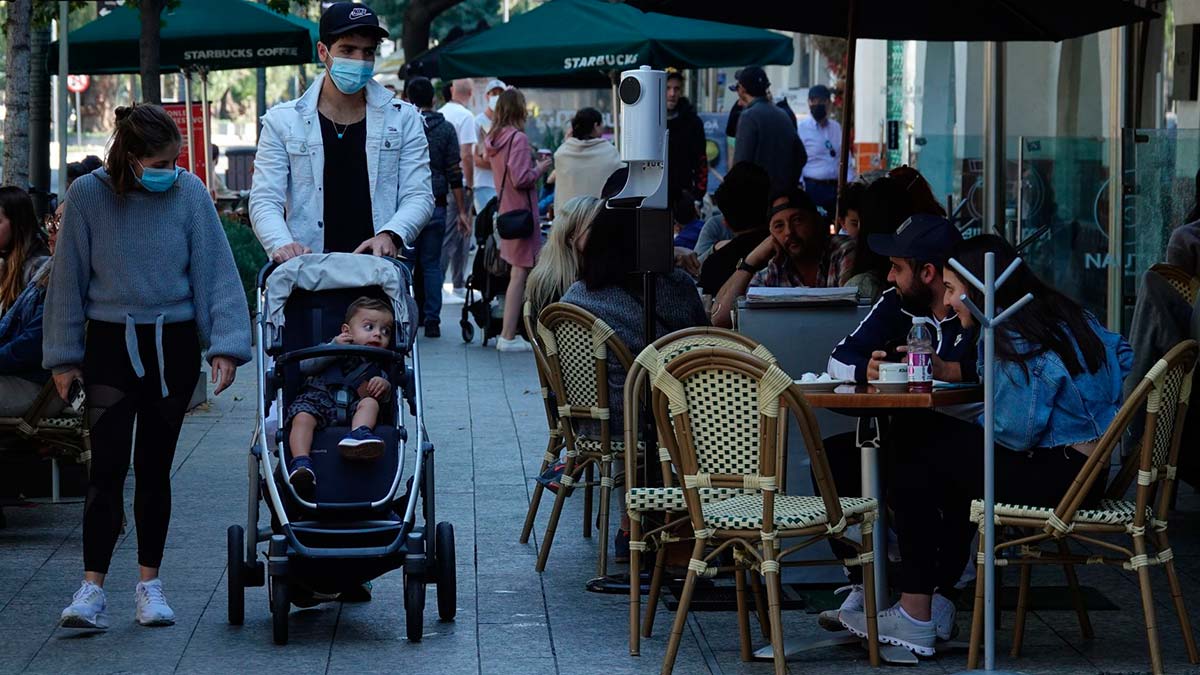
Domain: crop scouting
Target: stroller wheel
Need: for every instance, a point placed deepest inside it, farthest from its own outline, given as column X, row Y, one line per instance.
column 468, row 331
column 235, row 575
column 447, row 584
column 280, row 607
column 414, row 606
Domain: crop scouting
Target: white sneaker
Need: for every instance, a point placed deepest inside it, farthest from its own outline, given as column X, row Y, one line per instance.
column 88, row 609
column 944, row 614
column 895, row 628
column 453, row 298
column 856, row 601
column 152, row 607
column 513, row 345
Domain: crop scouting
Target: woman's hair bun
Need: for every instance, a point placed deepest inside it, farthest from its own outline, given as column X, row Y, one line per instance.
column 123, row 112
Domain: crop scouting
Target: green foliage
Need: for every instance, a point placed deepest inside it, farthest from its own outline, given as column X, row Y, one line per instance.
column 465, row 14
column 248, row 255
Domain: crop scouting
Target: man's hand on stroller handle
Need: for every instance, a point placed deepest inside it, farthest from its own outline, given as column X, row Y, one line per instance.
column 376, row 388
column 289, row 251
column 381, row 244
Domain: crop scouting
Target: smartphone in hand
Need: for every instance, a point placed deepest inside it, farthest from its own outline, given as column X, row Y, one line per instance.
column 75, row 397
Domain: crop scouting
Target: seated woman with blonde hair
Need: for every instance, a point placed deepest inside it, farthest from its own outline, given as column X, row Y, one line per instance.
column 558, row 264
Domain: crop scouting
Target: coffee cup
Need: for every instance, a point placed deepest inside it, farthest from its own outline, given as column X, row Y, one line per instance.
column 893, row 372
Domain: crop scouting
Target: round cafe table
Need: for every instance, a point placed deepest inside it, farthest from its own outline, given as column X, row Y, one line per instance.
column 867, row 402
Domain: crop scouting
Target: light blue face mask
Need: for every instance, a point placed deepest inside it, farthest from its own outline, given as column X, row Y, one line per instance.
column 159, row 180
column 351, row 75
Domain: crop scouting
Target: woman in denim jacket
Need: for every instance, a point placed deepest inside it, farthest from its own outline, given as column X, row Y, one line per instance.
column 1057, row 387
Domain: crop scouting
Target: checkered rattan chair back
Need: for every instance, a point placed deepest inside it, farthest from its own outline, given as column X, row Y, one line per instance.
column 1179, row 279
column 577, row 346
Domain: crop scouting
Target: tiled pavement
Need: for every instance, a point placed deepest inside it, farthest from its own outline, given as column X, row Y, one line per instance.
column 484, row 412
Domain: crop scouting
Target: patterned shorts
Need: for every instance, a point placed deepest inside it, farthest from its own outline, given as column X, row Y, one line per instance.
column 315, row 402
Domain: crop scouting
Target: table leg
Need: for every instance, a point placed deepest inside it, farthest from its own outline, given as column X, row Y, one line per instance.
column 872, row 486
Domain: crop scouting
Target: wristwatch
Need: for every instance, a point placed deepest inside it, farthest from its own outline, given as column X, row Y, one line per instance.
column 743, row 266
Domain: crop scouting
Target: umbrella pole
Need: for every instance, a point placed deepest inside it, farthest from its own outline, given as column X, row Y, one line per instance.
column 60, row 130
column 187, row 108
column 616, row 113
column 995, row 178
column 848, row 100
column 206, row 120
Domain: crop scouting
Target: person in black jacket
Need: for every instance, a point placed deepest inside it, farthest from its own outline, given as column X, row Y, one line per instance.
column 445, row 165
column 687, row 156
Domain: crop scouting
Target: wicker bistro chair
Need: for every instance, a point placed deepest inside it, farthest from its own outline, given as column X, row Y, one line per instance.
column 1180, row 279
column 1164, row 392
column 722, row 409
column 643, row 503
column 576, row 345
column 554, row 443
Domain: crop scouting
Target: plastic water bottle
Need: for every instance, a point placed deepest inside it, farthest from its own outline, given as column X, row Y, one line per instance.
column 920, row 356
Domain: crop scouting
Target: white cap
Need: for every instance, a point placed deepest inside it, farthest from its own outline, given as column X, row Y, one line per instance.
column 495, row 84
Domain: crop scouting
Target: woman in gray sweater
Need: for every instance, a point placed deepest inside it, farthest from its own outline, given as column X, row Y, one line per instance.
column 143, row 278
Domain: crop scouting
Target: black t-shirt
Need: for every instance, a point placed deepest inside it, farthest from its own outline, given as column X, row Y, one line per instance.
column 722, row 262
column 348, row 221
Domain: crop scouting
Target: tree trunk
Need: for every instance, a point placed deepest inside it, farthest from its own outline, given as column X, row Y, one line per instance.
column 418, row 17
column 17, row 28
column 148, row 45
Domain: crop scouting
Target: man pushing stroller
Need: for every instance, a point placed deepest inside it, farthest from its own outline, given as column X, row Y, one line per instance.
column 352, row 384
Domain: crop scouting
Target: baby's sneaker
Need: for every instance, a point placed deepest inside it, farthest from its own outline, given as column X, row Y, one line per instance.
column 361, row 444
column 88, row 609
column 302, row 477
column 152, row 607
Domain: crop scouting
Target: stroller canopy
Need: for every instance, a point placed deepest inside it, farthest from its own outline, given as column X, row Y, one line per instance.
column 329, row 271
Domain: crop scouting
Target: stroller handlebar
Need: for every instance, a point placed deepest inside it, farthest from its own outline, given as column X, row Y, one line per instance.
column 372, row 353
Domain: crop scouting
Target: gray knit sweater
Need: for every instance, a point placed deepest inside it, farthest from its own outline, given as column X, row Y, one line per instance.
column 145, row 256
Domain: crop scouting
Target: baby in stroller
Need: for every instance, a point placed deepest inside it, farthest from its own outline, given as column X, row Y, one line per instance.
column 353, row 385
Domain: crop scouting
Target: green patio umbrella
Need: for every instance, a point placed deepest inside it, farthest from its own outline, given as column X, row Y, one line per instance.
column 212, row 34
column 566, row 37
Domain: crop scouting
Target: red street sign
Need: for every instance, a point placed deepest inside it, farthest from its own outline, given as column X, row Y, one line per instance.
column 179, row 114
column 77, row 84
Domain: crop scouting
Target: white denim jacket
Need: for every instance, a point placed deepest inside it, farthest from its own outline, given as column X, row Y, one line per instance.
column 287, row 200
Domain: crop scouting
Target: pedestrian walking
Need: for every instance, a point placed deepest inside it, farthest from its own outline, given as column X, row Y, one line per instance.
column 687, row 148
column 485, row 186
column 516, row 184
column 822, row 138
column 456, row 246
column 445, row 165
column 344, row 168
column 766, row 135
column 584, row 161
column 143, row 278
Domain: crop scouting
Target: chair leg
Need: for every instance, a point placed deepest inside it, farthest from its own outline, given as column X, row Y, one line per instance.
column 559, row 499
column 1085, row 623
column 1185, row 623
column 635, row 585
column 660, row 566
column 868, row 570
column 1022, row 609
column 538, row 488
column 774, row 591
column 743, row 615
column 606, row 490
column 760, row 606
column 1139, row 549
column 685, row 599
column 589, row 478
column 977, row 616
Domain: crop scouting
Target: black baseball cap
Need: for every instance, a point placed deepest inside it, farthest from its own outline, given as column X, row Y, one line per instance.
column 344, row 17
column 753, row 79
column 923, row 236
column 796, row 199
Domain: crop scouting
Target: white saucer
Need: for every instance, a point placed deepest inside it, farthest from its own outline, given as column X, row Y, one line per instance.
column 816, row 387
column 890, row 387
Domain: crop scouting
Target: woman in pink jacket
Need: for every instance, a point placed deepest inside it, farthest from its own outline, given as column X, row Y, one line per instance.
column 516, row 176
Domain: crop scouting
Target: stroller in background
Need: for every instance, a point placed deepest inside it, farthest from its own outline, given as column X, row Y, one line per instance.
column 356, row 528
column 483, row 287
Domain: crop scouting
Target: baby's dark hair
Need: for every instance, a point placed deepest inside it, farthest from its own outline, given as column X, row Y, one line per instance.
column 367, row 304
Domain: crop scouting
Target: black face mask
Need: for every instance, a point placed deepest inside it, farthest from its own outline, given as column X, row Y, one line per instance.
column 818, row 111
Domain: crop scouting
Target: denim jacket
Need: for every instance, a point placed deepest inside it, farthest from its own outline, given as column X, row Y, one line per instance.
column 1049, row 408
column 21, row 333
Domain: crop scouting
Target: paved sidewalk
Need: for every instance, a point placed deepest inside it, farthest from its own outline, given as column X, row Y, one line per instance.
column 484, row 412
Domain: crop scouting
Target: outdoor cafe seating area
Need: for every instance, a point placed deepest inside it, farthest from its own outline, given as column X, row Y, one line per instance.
column 736, row 491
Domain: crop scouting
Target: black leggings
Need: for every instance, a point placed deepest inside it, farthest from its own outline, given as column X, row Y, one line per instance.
column 938, row 470
column 116, row 396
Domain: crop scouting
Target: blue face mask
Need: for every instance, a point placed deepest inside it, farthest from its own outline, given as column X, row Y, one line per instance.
column 159, row 180
column 351, row 75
